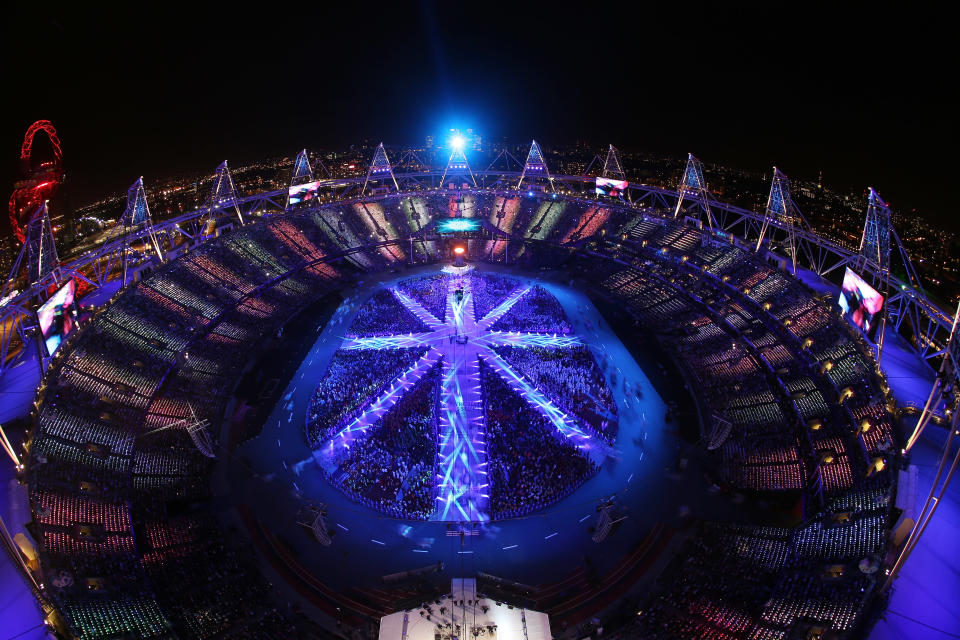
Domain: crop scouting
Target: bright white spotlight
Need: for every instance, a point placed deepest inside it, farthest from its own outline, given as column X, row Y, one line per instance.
column 457, row 143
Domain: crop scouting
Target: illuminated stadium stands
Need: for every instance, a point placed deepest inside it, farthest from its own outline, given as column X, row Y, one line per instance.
column 430, row 292
column 163, row 349
column 111, row 453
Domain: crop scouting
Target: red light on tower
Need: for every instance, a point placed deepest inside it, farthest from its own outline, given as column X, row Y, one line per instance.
column 459, row 250
column 37, row 183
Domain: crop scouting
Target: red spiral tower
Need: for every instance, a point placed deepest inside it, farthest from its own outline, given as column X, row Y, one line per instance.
column 37, row 183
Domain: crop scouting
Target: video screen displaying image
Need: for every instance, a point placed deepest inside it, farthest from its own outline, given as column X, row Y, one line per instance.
column 458, row 225
column 57, row 316
column 610, row 187
column 860, row 302
column 303, row 192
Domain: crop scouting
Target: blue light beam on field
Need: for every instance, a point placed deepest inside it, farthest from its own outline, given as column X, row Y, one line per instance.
column 399, row 341
column 462, row 487
column 564, row 424
column 332, row 451
column 525, row 339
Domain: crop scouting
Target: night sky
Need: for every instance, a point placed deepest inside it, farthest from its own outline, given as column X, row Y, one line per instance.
column 860, row 94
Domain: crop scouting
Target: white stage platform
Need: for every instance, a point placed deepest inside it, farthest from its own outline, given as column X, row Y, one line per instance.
column 464, row 617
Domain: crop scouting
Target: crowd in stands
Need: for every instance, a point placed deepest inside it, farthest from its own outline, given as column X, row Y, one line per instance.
column 383, row 315
column 488, row 291
column 789, row 388
column 208, row 579
column 769, row 360
column 739, row 581
column 717, row 586
column 391, row 467
column 429, row 291
column 531, row 465
column 589, row 224
column 764, row 356
column 163, row 352
column 546, row 220
column 352, row 379
column 571, row 378
column 537, row 311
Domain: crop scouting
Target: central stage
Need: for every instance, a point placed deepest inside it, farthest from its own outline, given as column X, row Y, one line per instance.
column 274, row 475
column 462, row 492
column 461, row 615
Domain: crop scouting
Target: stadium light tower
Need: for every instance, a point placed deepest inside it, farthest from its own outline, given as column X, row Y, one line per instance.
column 457, row 165
column 38, row 255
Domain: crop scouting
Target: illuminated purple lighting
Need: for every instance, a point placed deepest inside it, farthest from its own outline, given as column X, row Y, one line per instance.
column 459, row 343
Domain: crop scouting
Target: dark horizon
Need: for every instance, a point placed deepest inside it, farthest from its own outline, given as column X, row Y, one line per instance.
column 857, row 94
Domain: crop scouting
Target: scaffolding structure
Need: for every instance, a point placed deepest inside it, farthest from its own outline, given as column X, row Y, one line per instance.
column 195, row 428
column 135, row 224
column 784, row 213
column 302, row 175
column 223, row 199
column 693, row 186
column 612, row 167
column 457, row 166
column 605, row 521
column 37, row 259
column 312, row 517
column 380, row 169
column 535, row 168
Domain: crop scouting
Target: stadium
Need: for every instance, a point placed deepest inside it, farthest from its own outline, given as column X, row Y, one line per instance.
column 448, row 402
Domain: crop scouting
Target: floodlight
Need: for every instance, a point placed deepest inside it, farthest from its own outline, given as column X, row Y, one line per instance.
column 457, row 143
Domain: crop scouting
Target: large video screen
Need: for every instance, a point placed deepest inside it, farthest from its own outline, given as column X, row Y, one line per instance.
column 860, row 302
column 302, row 192
column 458, row 225
column 57, row 316
column 610, row 187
